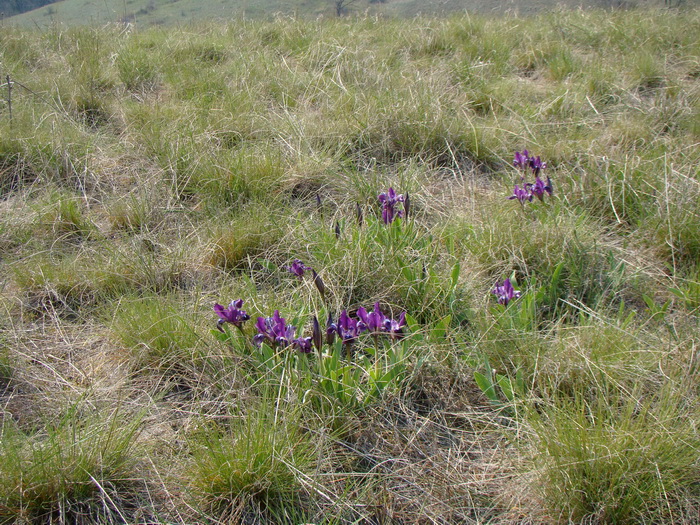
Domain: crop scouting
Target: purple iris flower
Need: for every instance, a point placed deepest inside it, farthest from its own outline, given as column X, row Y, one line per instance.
column 521, row 160
column 233, row 314
column 522, row 194
column 298, row 268
column 389, row 201
column 348, row 329
column 303, row 344
column 275, row 331
column 539, row 188
column 505, row 292
column 374, row 321
column 395, row 327
column 536, row 164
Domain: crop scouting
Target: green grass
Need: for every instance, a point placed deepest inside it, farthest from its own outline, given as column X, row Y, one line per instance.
column 79, row 469
column 147, row 174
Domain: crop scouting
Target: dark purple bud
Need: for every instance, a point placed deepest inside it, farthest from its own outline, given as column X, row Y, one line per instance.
column 406, row 205
column 319, row 205
column 358, row 210
column 317, row 336
column 337, row 230
column 320, row 286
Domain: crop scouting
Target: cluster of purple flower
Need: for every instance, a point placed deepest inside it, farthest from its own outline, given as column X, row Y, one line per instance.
column 505, row 292
column 389, row 201
column 276, row 333
column 374, row 322
column 523, row 161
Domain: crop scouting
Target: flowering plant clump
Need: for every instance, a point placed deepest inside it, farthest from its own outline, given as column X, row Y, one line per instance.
column 505, row 292
column 298, row 268
column 233, row 314
column 523, row 161
column 389, row 201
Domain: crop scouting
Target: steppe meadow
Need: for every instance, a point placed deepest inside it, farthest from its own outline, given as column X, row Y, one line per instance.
column 355, row 270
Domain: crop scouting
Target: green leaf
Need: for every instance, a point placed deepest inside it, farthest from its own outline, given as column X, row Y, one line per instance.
column 455, row 275
column 486, row 386
column 506, row 386
column 269, row 266
column 224, row 337
column 440, row 329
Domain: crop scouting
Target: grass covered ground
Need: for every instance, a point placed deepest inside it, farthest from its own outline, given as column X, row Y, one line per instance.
column 146, row 176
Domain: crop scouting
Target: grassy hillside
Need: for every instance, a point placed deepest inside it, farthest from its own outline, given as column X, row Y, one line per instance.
column 146, row 176
column 178, row 12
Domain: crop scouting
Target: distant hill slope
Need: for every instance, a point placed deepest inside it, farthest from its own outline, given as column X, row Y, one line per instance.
column 14, row 7
column 173, row 12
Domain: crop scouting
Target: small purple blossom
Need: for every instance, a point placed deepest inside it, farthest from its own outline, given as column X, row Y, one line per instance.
column 275, row 331
column 373, row 321
column 539, row 188
column 521, row 160
column 395, row 327
column 348, row 328
column 233, row 314
column 389, row 201
column 505, row 292
column 303, row 344
column 522, row 194
column 536, row 164
column 298, row 268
